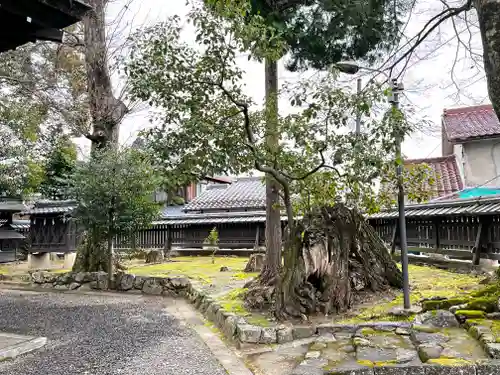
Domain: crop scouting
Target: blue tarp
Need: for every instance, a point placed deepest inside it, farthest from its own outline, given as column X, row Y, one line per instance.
column 478, row 192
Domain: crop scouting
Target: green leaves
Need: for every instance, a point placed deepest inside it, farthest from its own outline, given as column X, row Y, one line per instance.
column 59, row 167
column 209, row 126
column 114, row 191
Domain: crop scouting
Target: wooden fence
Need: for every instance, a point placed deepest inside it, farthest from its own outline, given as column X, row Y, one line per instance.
column 189, row 238
column 461, row 229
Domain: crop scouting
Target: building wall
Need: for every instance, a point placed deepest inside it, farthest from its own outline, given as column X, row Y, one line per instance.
column 446, row 146
column 458, row 150
column 481, row 162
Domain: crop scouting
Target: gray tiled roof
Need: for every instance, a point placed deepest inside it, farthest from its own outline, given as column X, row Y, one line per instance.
column 51, row 207
column 213, row 218
column 17, row 224
column 472, row 206
column 246, row 192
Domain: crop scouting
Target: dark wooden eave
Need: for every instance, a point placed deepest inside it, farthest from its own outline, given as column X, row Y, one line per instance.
column 23, row 21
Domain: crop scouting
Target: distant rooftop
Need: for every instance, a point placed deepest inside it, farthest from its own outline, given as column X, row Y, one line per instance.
column 51, row 207
column 244, row 193
column 446, row 173
column 450, row 207
column 468, row 123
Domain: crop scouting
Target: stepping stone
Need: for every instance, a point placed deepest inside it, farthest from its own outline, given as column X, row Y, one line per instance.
column 318, row 346
column 406, row 355
column 313, row 355
column 12, row 345
column 401, row 311
column 429, row 351
column 310, row 367
column 420, row 338
column 351, row 368
column 402, row 332
column 326, row 337
column 335, row 355
column 438, row 319
column 375, row 354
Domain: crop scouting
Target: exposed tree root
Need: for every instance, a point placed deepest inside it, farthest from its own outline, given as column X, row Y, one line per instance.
column 91, row 255
column 329, row 258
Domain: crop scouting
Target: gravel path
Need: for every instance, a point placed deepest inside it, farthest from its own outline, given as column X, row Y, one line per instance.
column 89, row 334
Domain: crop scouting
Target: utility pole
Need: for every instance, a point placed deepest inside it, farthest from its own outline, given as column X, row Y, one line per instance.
column 396, row 89
column 358, row 115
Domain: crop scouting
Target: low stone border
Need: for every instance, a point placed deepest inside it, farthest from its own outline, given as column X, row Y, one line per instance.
column 238, row 329
column 486, row 337
column 482, row 368
column 176, row 286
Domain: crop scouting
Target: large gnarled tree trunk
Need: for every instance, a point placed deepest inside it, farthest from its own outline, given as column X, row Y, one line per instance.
column 331, row 256
column 106, row 110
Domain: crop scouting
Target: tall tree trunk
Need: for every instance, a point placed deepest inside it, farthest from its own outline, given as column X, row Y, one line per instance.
column 106, row 110
column 489, row 23
column 273, row 215
column 111, row 268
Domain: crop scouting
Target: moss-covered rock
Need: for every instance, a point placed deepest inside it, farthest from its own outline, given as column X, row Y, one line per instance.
column 366, row 363
column 367, row 331
column 471, row 314
column 486, row 304
column 489, row 291
column 424, row 329
column 428, row 305
column 449, row 362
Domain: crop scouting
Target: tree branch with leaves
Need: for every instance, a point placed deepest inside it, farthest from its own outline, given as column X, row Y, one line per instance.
column 209, row 125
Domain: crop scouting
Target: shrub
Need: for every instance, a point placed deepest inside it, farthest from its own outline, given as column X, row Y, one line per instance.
column 213, row 241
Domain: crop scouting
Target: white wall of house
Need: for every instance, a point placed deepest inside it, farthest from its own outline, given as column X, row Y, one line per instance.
column 480, row 162
column 458, row 150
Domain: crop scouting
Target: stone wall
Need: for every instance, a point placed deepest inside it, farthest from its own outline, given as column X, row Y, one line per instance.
column 175, row 286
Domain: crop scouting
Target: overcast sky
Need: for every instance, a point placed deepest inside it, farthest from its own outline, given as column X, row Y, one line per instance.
column 428, row 84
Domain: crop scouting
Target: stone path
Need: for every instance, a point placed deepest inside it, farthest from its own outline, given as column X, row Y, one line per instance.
column 382, row 345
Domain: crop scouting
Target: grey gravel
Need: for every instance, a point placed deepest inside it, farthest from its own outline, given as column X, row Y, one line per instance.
column 102, row 334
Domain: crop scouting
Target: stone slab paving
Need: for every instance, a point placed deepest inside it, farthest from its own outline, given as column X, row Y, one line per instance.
column 386, row 349
column 12, row 345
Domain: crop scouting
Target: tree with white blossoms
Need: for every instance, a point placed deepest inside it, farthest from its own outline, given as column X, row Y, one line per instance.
column 20, row 170
column 114, row 192
column 210, row 125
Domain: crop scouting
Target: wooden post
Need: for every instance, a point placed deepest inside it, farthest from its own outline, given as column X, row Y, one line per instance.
column 256, row 246
column 169, row 237
column 394, row 237
column 477, row 245
column 436, row 234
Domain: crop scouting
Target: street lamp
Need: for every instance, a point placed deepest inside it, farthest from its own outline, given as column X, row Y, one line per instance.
column 396, row 88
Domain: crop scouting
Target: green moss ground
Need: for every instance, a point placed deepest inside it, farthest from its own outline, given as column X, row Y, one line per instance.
column 425, row 282
column 197, row 268
column 233, row 302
